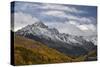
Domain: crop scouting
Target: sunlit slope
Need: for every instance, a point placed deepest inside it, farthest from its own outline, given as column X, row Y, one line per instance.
column 28, row 51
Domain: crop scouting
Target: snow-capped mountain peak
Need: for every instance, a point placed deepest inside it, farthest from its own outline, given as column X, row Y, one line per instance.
column 52, row 38
column 43, row 31
column 40, row 24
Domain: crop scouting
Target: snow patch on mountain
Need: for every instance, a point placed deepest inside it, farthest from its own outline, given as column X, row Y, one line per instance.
column 41, row 30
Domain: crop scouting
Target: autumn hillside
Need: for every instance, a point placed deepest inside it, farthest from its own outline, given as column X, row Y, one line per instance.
column 28, row 51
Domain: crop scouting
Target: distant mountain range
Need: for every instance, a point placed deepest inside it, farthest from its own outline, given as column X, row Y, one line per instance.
column 67, row 44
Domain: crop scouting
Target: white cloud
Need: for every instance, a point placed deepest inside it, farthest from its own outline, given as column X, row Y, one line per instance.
column 82, row 27
column 62, row 8
column 70, row 17
column 70, row 27
column 66, row 28
column 74, row 28
column 87, row 27
column 22, row 19
column 76, row 25
column 73, row 22
column 80, row 19
column 55, row 13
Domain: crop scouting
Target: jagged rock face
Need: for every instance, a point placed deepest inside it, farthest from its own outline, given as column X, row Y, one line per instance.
column 40, row 24
column 65, row 43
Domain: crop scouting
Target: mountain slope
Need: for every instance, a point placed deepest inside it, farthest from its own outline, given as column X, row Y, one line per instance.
column 28, row 51
column 64, row 43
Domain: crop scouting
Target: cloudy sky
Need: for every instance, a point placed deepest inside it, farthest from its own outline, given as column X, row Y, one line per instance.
column 71, row 19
